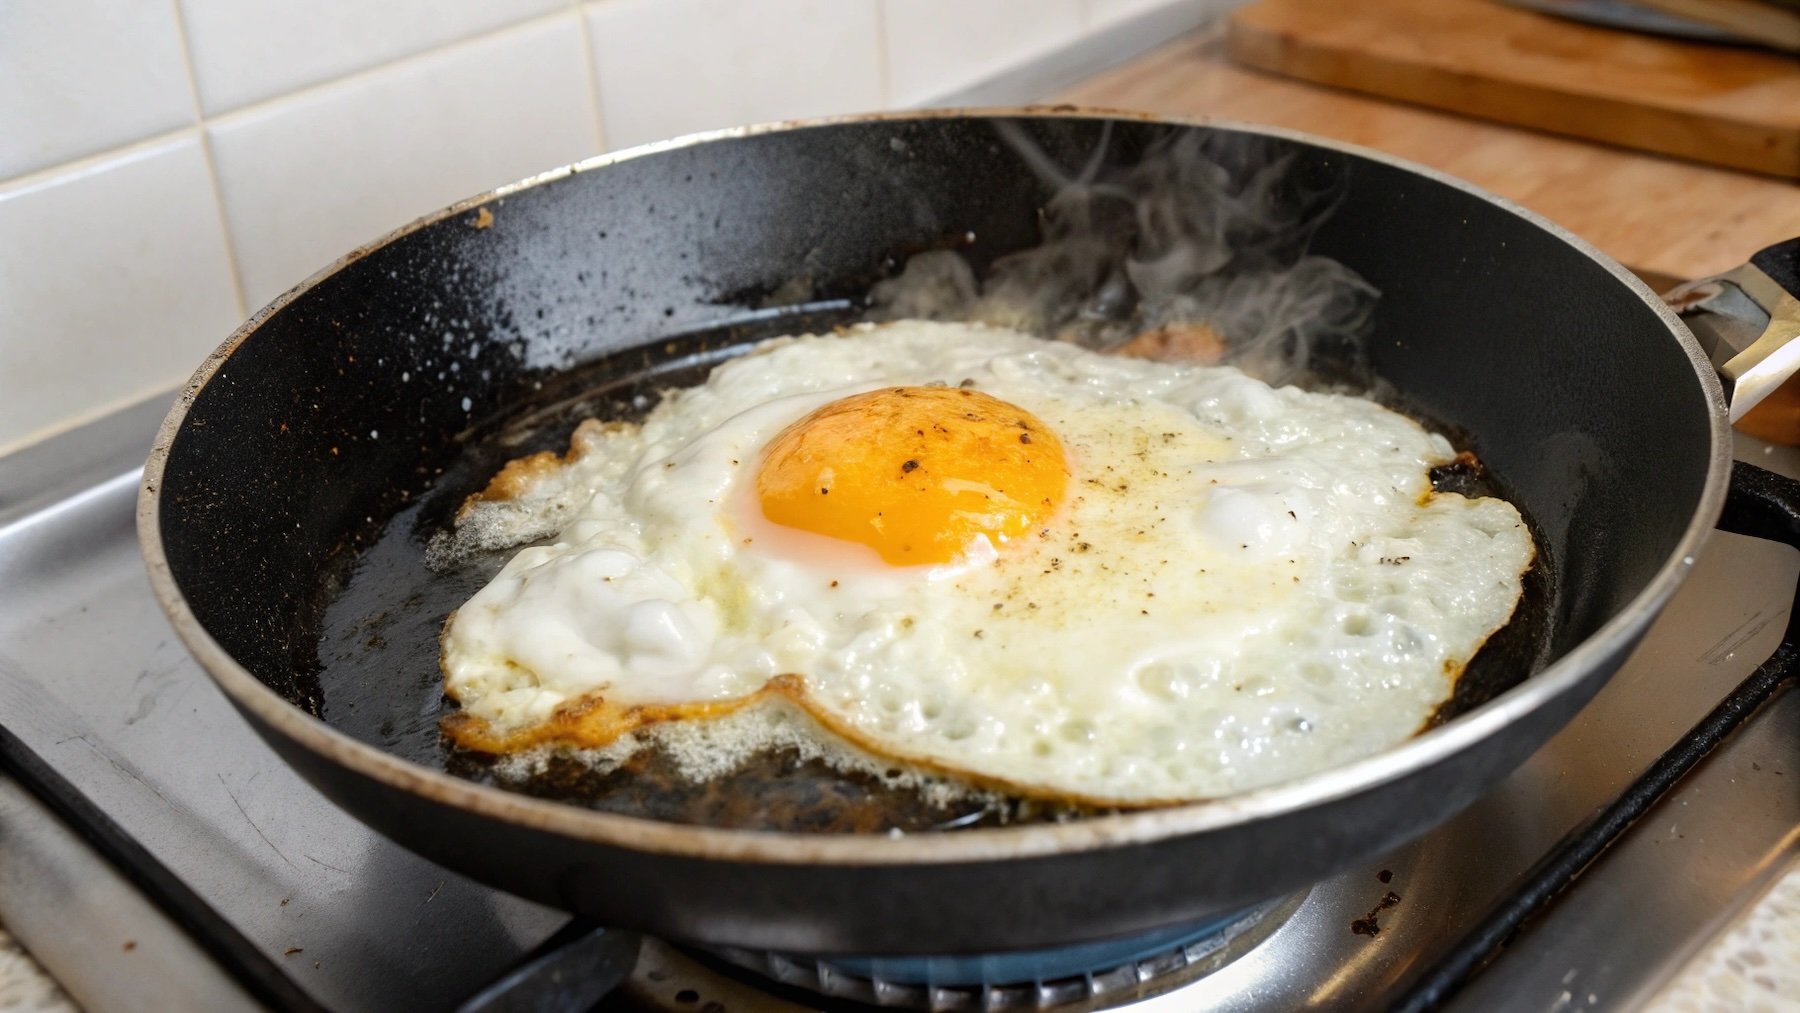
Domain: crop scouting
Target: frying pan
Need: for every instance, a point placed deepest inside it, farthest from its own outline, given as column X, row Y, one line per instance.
column 311, row 456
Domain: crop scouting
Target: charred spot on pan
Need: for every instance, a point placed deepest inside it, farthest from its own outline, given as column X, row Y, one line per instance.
column 1370, row 924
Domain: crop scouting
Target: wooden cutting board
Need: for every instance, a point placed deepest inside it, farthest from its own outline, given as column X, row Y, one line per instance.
column 1666, row 219
column 1721, row 104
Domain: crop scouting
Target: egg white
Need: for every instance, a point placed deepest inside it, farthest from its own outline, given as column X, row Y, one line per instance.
column 1244, row 584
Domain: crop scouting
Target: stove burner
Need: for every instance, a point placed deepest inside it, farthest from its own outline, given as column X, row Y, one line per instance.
column 1065, row 979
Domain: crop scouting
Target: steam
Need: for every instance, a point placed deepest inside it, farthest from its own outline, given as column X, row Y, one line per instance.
column 1196, row 250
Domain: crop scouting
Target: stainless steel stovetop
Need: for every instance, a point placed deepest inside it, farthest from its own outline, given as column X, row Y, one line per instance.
column 266, row 894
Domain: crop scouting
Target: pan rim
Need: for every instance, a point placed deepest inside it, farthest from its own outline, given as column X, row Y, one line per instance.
column 989, row 844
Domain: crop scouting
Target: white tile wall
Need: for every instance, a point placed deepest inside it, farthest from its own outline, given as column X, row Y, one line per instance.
column 245, row 51
column 306, row 179
column 166, row 165
column 81, row 76
column 939, row 46
column 116, row 284
column 736, row 63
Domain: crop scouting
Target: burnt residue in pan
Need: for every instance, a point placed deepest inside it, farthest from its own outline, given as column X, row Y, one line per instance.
column 779, row 791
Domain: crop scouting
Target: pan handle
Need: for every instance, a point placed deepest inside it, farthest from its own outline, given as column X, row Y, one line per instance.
column 1781, row 263
column 1747, row 319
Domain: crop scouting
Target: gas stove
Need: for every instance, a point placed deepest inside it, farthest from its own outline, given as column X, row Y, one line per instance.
column 158, row 855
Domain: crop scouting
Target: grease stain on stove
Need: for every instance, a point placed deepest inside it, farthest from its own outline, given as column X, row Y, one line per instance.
column 1370, row 924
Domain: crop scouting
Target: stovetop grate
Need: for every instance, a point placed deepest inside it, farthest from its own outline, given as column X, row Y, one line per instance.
column 915, row 983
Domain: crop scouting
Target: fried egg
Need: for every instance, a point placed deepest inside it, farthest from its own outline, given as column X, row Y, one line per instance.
column 1036, row 567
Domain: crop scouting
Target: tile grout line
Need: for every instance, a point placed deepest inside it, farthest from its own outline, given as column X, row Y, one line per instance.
column 78, row 165
column 593, row 76
column 212, row 164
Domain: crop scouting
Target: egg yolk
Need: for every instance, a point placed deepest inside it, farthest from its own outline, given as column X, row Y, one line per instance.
column 915, row 473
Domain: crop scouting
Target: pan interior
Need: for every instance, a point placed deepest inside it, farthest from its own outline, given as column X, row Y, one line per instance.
column 351, row 422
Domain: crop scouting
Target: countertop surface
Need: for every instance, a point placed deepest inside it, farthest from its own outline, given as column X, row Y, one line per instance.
column 1665, row 218
column 1754, row 966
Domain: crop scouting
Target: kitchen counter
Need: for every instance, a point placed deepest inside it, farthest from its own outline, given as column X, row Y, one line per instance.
column 1753, row 966
column 1664, row 218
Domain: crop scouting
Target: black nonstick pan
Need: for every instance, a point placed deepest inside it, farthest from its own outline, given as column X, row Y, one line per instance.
column 294, row 488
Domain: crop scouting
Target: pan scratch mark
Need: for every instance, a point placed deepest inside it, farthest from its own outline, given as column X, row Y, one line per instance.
column 434, row 891
column 327, row 865
column 253, row 826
